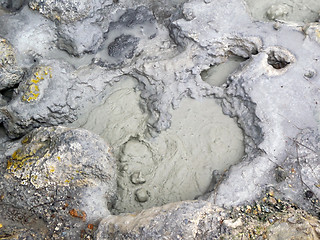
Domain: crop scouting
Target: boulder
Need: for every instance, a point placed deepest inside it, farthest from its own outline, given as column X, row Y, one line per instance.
column 65, row 176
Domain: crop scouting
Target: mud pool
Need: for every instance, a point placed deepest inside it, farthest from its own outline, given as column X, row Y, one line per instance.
column 218, row 74
column 175, row 165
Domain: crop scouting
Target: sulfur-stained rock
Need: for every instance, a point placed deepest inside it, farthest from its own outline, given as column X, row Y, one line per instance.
column 52, row 93
column 46, row 88
column 39, row 89
column 65, row 176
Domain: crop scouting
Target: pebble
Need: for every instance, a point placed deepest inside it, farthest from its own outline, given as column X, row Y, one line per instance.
column 142, row 195
column 136, row 178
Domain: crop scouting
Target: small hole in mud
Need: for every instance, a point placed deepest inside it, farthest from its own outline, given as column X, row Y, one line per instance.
column 218, row 74
column 277, row 61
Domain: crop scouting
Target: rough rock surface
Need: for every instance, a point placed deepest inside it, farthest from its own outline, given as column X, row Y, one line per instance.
column 45, row 88
column 268, row 219
column 64, row 176
column 10, row 73
column 12, row 5
column 181, row 220
column 67, row 11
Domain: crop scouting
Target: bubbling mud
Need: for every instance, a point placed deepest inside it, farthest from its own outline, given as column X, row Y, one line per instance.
column 178, row 163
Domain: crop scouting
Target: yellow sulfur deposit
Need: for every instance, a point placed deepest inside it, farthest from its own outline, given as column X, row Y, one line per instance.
column 32, row 91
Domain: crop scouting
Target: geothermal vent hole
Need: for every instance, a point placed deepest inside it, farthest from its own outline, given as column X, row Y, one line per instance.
column 218, row 74
column 276, row 60
column 178, row 163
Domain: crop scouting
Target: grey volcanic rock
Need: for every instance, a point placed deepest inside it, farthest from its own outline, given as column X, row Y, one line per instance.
column 133, row 17
column 68, row 11
column 10, row 73
column 79, row 37
column 65, row 176
column 301, row 170
column 181, row 220
column 13, row 5
column 127, row 37
column 46, row 88
column 123, row 46
column 202, row 220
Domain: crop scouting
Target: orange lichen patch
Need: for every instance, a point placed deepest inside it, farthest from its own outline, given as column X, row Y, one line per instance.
column 78, row 214
column 32, row 89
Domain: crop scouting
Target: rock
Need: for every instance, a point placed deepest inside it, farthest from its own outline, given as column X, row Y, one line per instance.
column 280, row 174
column 127, row 37
column 12, row 5
column 10, row 73
column 136, row 178
column 312, row 30
column 123, row 46
column 202, row 220
column 65, row 176
column 67, row 11
column 79, row 38
column 46, row 87
column 303, row 171
column 277, row 11
column 282, row 223
column 141, row 195
column 133, row 17
column 7, row 55
column 181, row 220
column 18, row 223
column 273, row 96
